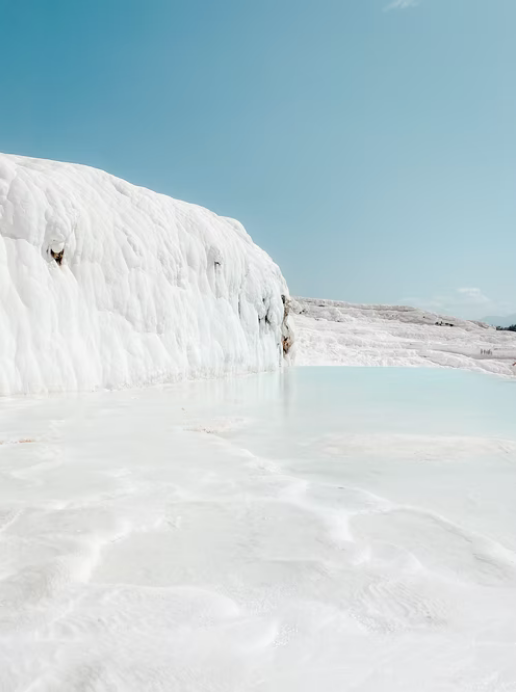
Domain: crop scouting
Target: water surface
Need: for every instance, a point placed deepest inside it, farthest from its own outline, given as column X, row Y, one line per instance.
column 320, row 528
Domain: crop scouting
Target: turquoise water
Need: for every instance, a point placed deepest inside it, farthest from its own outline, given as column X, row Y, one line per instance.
column 301, row 402
column 403, row 400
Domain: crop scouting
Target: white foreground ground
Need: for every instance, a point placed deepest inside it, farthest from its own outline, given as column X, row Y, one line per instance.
column 330, row 332
column 322, row 529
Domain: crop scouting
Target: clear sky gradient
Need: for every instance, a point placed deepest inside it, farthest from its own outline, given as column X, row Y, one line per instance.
column 369, row 147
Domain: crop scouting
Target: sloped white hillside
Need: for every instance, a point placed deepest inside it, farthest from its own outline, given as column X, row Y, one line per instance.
column 330, row 332
column 104, row 284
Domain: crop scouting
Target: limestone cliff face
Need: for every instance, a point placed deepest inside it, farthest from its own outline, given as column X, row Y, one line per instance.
column 104, row 284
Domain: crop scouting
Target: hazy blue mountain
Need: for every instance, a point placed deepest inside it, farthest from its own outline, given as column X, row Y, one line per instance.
column 500, row 320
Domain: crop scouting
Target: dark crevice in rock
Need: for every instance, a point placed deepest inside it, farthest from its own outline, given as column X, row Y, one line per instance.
column 58, row 256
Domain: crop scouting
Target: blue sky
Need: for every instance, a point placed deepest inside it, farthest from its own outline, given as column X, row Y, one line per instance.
column 369, row 146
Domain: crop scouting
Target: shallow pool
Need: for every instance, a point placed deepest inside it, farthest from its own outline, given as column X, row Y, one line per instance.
column 318, row 529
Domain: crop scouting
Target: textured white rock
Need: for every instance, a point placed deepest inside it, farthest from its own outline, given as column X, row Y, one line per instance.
column 148, row 289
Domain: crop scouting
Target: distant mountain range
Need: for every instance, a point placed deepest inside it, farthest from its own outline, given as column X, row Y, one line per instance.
column 500, row 320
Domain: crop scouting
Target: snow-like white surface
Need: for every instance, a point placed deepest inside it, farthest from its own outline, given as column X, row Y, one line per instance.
column 336, row 333
column 149, row 288
column 317, row 529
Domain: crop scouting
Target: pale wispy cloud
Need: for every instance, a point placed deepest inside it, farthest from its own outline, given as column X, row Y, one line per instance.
column 462, row 302
column 473, row 296
column 401, row 5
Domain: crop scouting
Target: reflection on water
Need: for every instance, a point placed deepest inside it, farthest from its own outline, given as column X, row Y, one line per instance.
column 302, row 402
